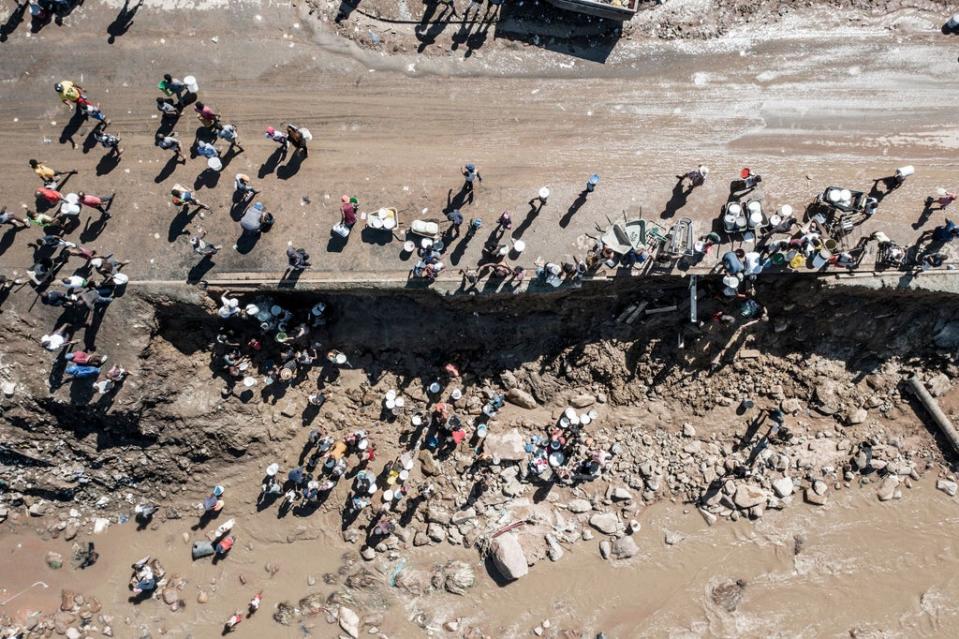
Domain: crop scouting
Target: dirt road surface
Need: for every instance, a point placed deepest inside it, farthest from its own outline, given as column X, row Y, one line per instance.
column 818, row 98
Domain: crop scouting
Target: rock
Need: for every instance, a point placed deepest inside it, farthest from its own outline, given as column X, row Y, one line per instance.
column 938, row 385
column 73, row 633
column 428, row 463
column 708, row 516
column 100, row 525
column 620, row 494
column 605, row 548
column 579, row 506
column 508, row 556
column 368, row 554
column 888, row 487
column 790, row 406
column 554, row 551
column 37, row 509
column 458, row 577
column 169, row 596
column 688, row 430
column 605, row 522
column 729, row 594
column 947, row 336
column 624, row 548
column 4, row 512
column 748, row 496
column 66, row 600
column 349, row 621
column 513, row 487
column 947, row 486
column 827, row 397
column 436, row 532
column 437, row 514
column 813, row 497
column 783, row 487
column 71, row 530
column 202, row 597
column 520, row 398
column 451, row 626
column 107, row 631
column 508, row 446
column 582, row 401
column 420, row 538
column 54, row 560
column 856, row 416
column 673, row 537
column 8, row 388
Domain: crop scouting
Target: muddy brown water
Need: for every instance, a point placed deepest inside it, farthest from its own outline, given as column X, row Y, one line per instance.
column 876, row 569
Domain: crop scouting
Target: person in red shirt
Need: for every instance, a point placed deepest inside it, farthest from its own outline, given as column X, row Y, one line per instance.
column 51, row 196
column 85, row 359
column 100, row 203
column 348, row 210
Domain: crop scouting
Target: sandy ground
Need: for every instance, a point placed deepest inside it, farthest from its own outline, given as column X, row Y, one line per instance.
column 395, row 130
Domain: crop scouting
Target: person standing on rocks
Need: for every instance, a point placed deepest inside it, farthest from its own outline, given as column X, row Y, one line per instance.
column 170, row 143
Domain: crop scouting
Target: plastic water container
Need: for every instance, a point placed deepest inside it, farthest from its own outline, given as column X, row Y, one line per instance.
column 905, row 171
column 953, row 22
column 191, row 84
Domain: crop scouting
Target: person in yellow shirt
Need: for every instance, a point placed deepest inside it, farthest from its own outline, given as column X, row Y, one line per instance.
column 69, row 92
column 47, row 175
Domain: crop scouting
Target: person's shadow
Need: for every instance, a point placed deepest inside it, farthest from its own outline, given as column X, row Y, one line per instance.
column 889, row 183
column 200, row 269
column 13, row 21
column 346, row 8
column 179, row 223
column 92, row 229
column 677, row 199
column 107, row 163
column 124, row 20
column 167, row 169
column 476, row 40
column 427, row 34
column 927, row 211
column 291, row 168
column 71, row 128
column 573, row 208
column 535, row 206
column 271, row 162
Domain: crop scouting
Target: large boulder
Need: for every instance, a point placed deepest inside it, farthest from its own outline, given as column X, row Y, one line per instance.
column 521, row 398
column 508, row 446
column 508, row 556
column 748, row 496
column 607, row 523
column 624, row 548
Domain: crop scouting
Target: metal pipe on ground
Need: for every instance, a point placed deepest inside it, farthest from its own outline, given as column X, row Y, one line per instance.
column 932, row 407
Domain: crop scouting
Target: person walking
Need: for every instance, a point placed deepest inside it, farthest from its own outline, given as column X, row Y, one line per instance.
column 243, row 190
column 470, row 175
column 170, row 143
column 298, row 258
column 942, row 199
column 48, row 175
column 229, row 133
column 591, row 183
column 70, row 93
column 184, row 197
column 167, row 108
column 6, row 217
column 110, row 142
column 278, row 137
column 696, row 177
column 171, row 86
column 101, row 203
column 201, row 246
column 91, row 111
column 206, row 150
column 207, row 116
column 455, row 218
column 298, row 137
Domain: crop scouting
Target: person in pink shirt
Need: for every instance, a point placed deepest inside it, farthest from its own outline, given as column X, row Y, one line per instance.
column 100, row 203
column 51, row 196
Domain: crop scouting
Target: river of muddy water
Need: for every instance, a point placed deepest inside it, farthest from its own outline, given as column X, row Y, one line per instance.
column 856, row 567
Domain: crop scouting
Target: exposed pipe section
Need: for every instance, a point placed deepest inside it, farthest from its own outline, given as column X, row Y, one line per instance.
column 932, row 406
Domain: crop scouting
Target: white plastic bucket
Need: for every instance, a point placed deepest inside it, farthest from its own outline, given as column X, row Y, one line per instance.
column 519, row 246
column 905, row 171
column 544, row 193
column 215, row 164
column 191, row 84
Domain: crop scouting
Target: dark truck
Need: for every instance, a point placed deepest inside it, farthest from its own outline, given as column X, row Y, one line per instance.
column 610, row 9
